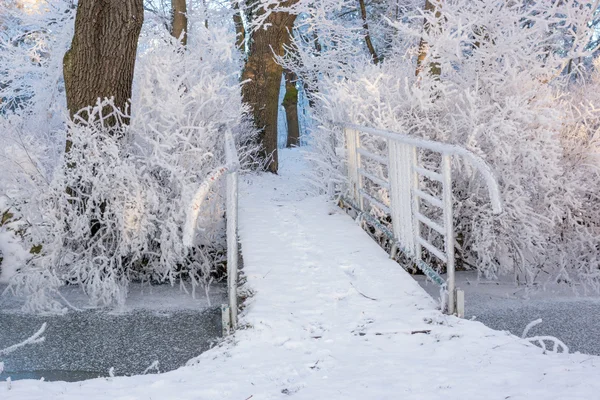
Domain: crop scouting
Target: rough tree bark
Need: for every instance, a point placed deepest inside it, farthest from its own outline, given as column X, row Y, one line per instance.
column 432, row 6
column 263, row 74
column 101, row 59
column 290, row 103
column 179, row 24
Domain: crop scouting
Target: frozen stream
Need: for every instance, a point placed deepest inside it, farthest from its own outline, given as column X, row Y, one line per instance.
column 502, row 305
column 159, row 323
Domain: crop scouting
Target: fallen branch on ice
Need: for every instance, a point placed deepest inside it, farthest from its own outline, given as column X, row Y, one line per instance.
column 35, row 338
column 558, row 346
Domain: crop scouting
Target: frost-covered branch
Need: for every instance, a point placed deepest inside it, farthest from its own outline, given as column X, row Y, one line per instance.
column 33, row 339
column 557, row 345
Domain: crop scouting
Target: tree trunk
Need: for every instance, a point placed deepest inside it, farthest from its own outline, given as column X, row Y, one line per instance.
column 179, row 26
column 240, row 32
column 101, row 59
column 368, row 41
column 264, row 75
column 434, row 67
column 290, row 103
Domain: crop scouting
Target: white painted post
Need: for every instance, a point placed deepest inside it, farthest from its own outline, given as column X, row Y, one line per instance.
column 400, row 160
column 460, row 303
column 360, row 186
column 448, row 225
column 225, row 319
column 352, row 145
column 232, row 224
column 414, row 185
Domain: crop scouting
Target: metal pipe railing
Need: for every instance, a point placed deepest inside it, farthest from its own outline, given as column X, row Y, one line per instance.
column 444, row 148
column 406, row 193
column 233, row 160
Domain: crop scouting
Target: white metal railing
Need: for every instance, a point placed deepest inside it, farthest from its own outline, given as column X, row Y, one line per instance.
column 406, row 193
column 231, row 169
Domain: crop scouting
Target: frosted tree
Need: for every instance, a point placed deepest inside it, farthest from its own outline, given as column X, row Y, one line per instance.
column 271, row 31
column 497, row 84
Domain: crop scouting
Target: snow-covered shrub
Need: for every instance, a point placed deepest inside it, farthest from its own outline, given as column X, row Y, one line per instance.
column 116, row 204
column 13, row 254
column 32, row 44
column 547, row 343
column 501, row 95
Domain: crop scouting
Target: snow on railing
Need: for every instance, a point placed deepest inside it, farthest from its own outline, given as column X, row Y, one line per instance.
column 404, row 186
column 230, row 169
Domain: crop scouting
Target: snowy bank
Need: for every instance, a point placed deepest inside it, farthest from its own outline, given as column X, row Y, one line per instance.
column 332, row 317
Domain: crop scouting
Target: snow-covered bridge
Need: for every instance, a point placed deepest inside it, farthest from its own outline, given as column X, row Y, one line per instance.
column 332, row 317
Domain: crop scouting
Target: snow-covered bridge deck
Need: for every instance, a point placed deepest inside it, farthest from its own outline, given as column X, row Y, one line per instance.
column 331, row 317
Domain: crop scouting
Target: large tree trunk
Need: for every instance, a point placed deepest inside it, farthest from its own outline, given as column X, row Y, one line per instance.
column 101, row 59
column 290, row 103
column 179, row 26
column 263, row 74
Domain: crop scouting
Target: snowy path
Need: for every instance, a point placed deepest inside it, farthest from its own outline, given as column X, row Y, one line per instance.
column 333, row 318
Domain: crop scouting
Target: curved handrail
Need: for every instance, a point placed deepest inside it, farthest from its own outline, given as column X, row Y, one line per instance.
column 230, row 169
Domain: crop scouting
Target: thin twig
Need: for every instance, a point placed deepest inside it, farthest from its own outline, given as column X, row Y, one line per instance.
column 361, row 293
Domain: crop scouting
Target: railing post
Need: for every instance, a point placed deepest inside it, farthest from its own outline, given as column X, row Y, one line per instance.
column 401, row 158
column 449, row 226
column 414, row 185
column 352, row 145
column 232, row 238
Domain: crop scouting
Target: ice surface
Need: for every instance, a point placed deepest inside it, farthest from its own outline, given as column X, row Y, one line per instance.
column 158, row 323
column 503, row 305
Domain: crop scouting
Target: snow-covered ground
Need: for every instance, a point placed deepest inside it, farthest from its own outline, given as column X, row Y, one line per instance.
column 332, row 317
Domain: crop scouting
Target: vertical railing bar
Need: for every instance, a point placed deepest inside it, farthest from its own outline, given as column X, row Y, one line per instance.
column 414, row 161
column 352, row 162
column 448, row 224
column 232, row 244
column 360, row 179
column 232, row 225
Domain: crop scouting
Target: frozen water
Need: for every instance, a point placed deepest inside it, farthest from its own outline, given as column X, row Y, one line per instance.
column 504, row 306
column 159, row 323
